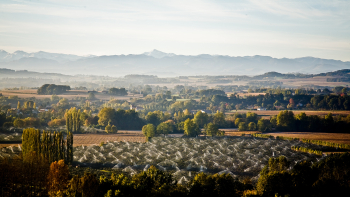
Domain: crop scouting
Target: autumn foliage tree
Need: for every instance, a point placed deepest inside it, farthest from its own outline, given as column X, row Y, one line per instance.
column 58, row 178
column 51, row 146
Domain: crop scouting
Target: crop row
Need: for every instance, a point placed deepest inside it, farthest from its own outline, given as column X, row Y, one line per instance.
column 306, row 150
column 324, row 143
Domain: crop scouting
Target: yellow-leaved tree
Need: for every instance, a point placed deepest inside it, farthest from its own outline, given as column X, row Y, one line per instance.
column 57, row 178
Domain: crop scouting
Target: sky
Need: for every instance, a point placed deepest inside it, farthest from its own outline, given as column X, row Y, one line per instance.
column 276, row 28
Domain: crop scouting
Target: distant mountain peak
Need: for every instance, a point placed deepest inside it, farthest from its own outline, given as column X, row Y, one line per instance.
column 158, row 54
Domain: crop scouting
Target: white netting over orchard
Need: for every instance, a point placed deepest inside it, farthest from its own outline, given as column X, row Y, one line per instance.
column 233, row 155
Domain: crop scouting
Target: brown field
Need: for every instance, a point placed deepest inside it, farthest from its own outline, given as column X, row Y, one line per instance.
column 235, row 132
column 90, row 139
column 275, row 112
column 341, row 138
column 68, row 95
column 317, row 81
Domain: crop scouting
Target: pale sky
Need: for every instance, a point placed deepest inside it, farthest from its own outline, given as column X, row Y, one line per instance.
column 277, row 28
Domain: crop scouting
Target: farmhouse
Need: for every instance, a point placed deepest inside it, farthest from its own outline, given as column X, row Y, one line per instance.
column 136, row 108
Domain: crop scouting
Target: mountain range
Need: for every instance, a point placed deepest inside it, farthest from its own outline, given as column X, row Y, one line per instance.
column 164, row 64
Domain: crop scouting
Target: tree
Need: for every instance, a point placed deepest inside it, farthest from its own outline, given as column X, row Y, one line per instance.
column 149, row 130
column 153, row 182
column 117, row 91
column 251, row 117
column 51, row 146
column 114, row 129
column 88, row 185
column 274, row 178
column 214, row 185
column 211, row 129
column 57, row 122
column 201, row 118
column 242, row 126
column 264, row 125
column 251, row 126
column 28, row 104
column 111, row 129
column 73, row 121
column 164, row 128
column 237, row 121
column 91, row 96
column 19, row 123
column 52, row 89
column 191, row 128
column 154, row 117
column 19, row 105
column 286, row 121
column 219, row 119
column 54, row 98
column 302, row 122
column 57, row 178
column 106, row 115
column 108, row 128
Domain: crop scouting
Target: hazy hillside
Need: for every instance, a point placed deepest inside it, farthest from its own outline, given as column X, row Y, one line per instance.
column 164, row 64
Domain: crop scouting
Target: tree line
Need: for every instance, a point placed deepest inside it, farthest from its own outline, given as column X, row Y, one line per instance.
column 49, row 89
column 287, row 121
column 51, row 146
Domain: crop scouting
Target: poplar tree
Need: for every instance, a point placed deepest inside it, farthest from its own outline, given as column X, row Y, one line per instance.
column 73, row 121
column 51, row 146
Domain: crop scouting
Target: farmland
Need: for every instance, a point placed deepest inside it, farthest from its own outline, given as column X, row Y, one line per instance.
column 96, row 139
column 341, row 138
column 238, row 156
column 71, row 94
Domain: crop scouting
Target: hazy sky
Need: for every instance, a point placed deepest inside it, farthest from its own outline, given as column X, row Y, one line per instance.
column 277, row 28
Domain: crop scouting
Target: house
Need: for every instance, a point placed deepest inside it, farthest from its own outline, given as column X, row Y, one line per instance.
column 250, row 107
column 136, row 108
column 43, row 110
column 46, row 109
column 261, row 109
column 104, row 92
column 206, row 111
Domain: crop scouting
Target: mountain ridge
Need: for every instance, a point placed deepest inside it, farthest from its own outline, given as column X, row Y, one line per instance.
column 166, row 64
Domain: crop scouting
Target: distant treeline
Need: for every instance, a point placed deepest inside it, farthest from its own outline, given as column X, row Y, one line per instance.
column 117, row 91
column 49, row 89
column 338, row 79
column 286, row 121
column 272, row 101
